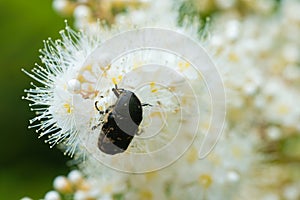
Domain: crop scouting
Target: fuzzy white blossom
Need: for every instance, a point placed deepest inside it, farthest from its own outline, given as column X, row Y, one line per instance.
column 59, row 100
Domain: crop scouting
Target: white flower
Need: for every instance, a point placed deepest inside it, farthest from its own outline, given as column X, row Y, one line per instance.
column 64, row 7
column 62, row 184
column 225, row 4
column 60, row 98
column 290, row 9
column 75, row 177
column 291, row 192
column 52, row 195
column 26, row 198
column 281, row 107
column 155, row 13
column 76, row 75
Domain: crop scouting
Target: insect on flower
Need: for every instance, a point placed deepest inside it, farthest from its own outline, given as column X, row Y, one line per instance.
column 121, row 122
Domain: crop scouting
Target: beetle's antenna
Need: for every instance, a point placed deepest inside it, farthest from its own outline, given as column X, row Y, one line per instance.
column 116, row 90
column 96, row 106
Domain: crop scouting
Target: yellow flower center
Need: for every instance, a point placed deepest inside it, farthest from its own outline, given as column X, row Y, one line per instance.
column 283, row 109
column 233, row 57
column 151, row 175
column 108, row 188
column 146, row 195
column 183, row 66
column 68, row 107
column 192, row 155
column 205, row 180
column 153, row 88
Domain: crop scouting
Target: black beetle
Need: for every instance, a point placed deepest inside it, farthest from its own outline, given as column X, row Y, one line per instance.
column 121, row 122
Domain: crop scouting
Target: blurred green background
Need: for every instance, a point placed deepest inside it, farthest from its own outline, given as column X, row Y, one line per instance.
column 27, row 164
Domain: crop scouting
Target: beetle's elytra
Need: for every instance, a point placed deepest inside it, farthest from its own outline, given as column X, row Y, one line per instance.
column 121, row 122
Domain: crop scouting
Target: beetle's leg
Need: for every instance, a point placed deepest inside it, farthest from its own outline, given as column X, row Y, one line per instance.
column 96, row 106
column 101, row 112
column 96, row 126
column 146, row 104
column 140, row 131
column 109, row 109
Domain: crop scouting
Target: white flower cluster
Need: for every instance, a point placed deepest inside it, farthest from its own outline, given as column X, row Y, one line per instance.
column 241, row 7
column 87, row 12
column 218, row 176
column 260, row 86
column 258, row 56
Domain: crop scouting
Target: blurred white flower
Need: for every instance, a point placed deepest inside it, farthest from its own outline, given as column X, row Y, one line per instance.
column 52, row 195
column 62, row 184
column 26, row 198
column 281, row 107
